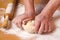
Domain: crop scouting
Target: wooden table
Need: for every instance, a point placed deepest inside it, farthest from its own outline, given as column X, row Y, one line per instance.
column 4, row 36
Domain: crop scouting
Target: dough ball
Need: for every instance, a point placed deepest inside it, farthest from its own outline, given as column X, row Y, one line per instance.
column 29, row 27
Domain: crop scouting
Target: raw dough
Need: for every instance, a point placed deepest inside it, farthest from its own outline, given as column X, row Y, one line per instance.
column 29, row 27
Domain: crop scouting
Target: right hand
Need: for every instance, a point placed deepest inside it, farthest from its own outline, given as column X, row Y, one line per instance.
column 19, row 20
column 43, row 24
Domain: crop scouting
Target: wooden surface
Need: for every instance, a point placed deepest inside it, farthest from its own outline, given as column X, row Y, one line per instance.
column 3, row 3
column 4, row 36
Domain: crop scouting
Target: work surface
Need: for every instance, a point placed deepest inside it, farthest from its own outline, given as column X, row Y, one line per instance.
column 26, row 36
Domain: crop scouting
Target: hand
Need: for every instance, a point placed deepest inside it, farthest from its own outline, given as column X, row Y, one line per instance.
column 43, row 24
column 23, row 19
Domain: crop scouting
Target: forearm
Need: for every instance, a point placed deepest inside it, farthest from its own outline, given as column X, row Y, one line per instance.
column 29, row 6
column 44, row 1
column 50, row 8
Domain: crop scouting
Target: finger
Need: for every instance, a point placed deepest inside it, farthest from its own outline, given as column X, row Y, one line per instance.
column 19, row 25
column 13, row 21
column 37, row 26
column 50, row 27
column 41, row 29
column 26, row 20
column 46, row 27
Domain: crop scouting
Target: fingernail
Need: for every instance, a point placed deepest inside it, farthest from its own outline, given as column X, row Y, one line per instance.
column 49, row 31
column 40, row 32
column 35, row 32
column 45, row 31
column 24, row 22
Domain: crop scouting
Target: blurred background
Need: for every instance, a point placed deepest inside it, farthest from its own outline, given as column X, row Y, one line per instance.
column 3, row 3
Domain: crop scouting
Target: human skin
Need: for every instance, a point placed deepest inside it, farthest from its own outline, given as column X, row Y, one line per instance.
column 28, row 15
column 42, row 21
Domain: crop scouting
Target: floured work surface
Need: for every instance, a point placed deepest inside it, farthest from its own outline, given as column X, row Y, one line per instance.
column 26, row 36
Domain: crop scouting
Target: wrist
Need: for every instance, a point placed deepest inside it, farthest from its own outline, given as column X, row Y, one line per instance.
column 30, row 14
column 30, row 11
column 46, row 15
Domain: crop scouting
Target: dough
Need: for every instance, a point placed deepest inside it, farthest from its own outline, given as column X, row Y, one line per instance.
column 29, row 27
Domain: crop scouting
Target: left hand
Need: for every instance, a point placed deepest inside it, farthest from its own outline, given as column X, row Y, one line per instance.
column 43, row 24
column 23, row 19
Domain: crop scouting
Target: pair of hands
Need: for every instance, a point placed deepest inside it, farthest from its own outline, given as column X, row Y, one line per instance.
column 42, row 23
